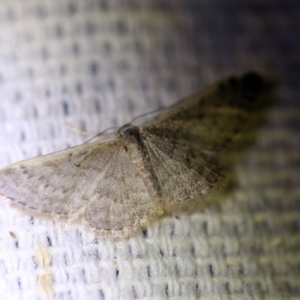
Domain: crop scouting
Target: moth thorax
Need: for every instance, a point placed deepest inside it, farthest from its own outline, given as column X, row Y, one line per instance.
column 130, row 134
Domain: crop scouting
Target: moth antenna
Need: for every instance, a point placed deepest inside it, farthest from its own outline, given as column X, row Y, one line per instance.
column 78, row 131
column 147, row 114
column 100, row 133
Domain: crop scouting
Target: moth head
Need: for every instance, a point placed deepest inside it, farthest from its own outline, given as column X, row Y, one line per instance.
column 130, row 134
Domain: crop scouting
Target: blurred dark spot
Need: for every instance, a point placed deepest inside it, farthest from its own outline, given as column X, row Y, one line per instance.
column 251, row 84
column 66, row 108
column 49, row 241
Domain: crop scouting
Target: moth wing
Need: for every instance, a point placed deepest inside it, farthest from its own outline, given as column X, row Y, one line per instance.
column 211, row 119
column 120, row 201
column 55, row 184
column 186, row 141
column 181, row 175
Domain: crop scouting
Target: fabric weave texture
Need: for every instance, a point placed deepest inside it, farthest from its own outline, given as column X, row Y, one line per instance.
column 96, row 64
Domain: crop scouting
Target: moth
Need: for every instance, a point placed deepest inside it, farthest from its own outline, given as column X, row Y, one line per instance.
column 114, row 187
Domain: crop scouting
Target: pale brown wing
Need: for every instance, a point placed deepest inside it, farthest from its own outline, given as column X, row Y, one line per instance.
column 119, row 200
column 54, row 184
column 180, row 175
column 211, row 119
column 187, row 141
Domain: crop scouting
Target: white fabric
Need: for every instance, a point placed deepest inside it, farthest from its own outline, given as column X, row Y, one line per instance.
column 95, row 64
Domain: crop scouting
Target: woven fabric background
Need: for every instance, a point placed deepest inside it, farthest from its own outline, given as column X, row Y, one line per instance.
column 98, row 63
